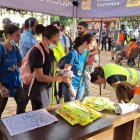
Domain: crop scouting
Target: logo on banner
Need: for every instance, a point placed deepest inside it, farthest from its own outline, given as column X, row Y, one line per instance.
column 58, row 2
column 86, row 4
column 132, row 3
column 108, row 3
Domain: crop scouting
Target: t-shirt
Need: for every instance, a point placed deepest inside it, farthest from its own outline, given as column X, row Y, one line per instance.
column 77, row 60
column 36, row 61
column 9, row 71
column 121, row 38
column 64, row 40
column 116, row 78
column 104, row 35
column 97, row 35
column 26, row 42
column 132, row 46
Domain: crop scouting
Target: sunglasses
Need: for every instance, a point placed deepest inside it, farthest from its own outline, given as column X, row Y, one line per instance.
column 79, row 28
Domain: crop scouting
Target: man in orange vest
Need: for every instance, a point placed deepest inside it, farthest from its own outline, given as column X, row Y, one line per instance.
column 121, row 38
column 133, row 45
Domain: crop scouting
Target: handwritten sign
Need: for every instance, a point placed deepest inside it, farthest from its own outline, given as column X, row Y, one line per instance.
column 28, row 121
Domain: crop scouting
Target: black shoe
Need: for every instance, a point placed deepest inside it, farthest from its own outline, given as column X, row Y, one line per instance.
column 112, row 59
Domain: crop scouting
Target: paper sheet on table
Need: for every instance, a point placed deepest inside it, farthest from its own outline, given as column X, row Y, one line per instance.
column 28, row 121
column 125, row 108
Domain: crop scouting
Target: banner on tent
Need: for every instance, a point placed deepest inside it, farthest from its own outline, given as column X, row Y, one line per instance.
column 131, row 3
column 109, row 8
column 54, row 7
column 86, row 4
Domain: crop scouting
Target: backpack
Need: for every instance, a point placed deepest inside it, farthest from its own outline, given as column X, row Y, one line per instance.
column 62, row 61
column 64, row 39
column 71, row 44
column 26, row 74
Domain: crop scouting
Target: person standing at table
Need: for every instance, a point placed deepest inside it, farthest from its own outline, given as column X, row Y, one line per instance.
column 10, row 61
column 128, row 92
column 41, row 91
column 63, row 39
column 82, row 30
column 75, row 61
column 113, row 74
column 93, row 56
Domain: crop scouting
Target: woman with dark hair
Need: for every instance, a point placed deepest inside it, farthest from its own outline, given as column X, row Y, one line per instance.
column 75, row 61
column 28, row 40
column 40, row 94
column 10, row 60
column 126, row 92
column 113, row 74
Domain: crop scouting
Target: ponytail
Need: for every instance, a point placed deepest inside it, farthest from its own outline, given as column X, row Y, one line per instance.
column 98, row 71
column 78, row 42
column 81, row 39
column 48, row 31
column 39, row 29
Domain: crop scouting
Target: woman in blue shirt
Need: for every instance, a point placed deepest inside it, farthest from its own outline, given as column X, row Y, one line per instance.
column 10, row 61
column 75, row 61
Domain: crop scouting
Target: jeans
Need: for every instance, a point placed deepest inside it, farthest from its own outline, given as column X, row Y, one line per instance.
column 103, row 43
column 87, row 81
column 41, row 97
column 131, row 62
column 66, row 92
column 19, row 99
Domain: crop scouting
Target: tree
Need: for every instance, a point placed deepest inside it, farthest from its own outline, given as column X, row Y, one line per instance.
column 132, row 22
column 63, row 20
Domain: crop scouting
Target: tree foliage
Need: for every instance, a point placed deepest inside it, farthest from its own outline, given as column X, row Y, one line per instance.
column 65, row 20
column 132, row 22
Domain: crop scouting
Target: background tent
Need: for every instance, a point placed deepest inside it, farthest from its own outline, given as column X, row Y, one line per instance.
column 85, row 8
column 54, row 7
column 108, row 8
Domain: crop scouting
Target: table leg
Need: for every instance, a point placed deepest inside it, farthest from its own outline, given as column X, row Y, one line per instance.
column 125, row 131
column 2, row 136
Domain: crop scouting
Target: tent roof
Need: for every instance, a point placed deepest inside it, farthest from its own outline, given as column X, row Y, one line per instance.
column 85, row 9
column 108, row 8
column 60, row 7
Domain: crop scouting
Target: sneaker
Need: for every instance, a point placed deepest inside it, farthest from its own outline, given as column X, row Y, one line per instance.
column 112, row 59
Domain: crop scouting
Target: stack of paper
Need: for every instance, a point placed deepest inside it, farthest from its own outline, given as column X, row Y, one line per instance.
column 28, row 121
column 125, row 108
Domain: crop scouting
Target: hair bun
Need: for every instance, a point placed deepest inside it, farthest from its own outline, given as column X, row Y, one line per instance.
column 39, row 29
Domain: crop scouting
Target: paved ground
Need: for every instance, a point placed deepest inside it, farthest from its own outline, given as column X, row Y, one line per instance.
column 108, row 92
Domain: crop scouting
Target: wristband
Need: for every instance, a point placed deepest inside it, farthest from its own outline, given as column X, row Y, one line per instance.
column 2, row 89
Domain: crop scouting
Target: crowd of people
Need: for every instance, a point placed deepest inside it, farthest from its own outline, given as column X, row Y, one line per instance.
column 29, row 66
column 54, row 65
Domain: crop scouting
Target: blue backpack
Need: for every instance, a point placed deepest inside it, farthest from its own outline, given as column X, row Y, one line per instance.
column 62, row 62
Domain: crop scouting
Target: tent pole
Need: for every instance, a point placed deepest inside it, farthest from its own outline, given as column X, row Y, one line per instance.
column 100, row 40
column 74, row 27
column 75, row 4
column 100, row 87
